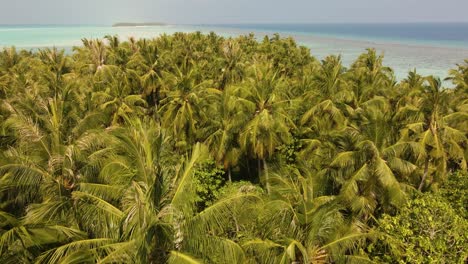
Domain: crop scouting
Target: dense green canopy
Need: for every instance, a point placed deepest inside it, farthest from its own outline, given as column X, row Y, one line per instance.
column 195, row 148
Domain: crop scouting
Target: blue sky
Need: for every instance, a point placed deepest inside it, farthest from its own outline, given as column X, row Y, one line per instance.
column 230, row 11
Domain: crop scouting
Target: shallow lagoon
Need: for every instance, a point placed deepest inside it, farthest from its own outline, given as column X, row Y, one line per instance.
column 434, row 55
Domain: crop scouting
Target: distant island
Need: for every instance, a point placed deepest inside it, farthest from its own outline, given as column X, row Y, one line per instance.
column 138, row 24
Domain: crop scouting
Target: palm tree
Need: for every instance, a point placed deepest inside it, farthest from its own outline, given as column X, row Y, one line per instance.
column 370, row 161
column 182, row 108
column 117, row 99
column 368, row 77
column 300, row 226
column 232, row 70
column 158, row 217
column 16, row 72
column 117, row 53
column 100, row 160
column 440, row 141
column 93, row 55
column 41, row 172
column 147, row 61
column 412, row 82
column 9, row 57
column 323, row 118
column 267, row 126
column 459, row 76
column 221, row 129
column 329, row 80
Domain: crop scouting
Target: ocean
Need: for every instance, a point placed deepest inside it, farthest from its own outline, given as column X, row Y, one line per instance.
column 431, row 48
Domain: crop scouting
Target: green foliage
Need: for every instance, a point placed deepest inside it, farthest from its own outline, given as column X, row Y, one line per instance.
column 129, row 152
column 426, row 230
column 208, row 180
column 287, row 154
column 233, row 188
column 455, row 191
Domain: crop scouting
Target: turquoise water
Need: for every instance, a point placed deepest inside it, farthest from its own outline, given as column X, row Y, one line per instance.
column 68, row 36
column 430, row 48
column 433, row 34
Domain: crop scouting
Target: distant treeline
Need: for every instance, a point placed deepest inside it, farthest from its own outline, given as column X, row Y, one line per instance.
column 138, row 24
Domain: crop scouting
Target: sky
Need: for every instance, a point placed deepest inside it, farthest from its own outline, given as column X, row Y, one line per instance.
column 106, row 12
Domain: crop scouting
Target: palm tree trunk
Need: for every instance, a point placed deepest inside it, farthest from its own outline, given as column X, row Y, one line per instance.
column 259, row 168
column 229, row 175
column 267, row 178
column 426, row 171
column 237, row 225
column 248, row 169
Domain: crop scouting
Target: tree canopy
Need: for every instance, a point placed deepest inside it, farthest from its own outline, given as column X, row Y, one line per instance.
column 193, row 148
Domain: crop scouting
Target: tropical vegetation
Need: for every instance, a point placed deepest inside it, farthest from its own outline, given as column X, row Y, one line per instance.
column 193, row 148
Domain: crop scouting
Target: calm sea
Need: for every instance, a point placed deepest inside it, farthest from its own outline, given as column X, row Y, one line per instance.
column 431, row 48
column 434, row 34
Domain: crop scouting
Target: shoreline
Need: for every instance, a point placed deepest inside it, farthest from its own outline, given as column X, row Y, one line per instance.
column 144, row 24
column 231, row 31
column 331, row 37
column 402, row 57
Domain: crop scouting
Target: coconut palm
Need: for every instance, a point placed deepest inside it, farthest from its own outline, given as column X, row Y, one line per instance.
column 58, row 64
column 40, row 173
column 147, row 62
column 158, row 213
column 221, row 130
column 368, row 77
column 302, row 226
column 329, row 79
column 8, row 59
column 441, row 141
column 459, row 76
column 232, row 70
column 267, row 126
column 92, row 55
column 371, row 160
column 100, row 160
column 117, row 98
column 182, row 108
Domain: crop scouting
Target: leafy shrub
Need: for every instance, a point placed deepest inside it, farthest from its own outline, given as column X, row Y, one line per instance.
column 287, row 153
column 455, row 191
column 208, row 181
column 427, row 230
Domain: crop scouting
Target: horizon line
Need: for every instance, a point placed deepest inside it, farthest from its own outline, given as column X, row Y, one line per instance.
column 242, row 23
